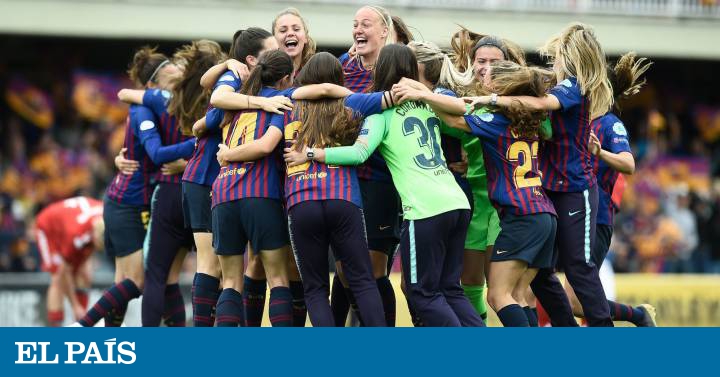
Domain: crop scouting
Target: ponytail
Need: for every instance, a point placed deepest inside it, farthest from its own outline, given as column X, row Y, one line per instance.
column 145, row 65
column 439, row 68
column 625, row 76
column 272, row 67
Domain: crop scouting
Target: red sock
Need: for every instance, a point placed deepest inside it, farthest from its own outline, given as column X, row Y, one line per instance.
column 55, row 318
column 543, row 318
column 82, row 297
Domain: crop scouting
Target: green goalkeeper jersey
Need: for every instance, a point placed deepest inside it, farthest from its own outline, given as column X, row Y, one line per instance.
column 408, row 136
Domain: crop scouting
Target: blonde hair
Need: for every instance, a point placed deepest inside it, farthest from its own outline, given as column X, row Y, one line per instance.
column 387, row 20
column 439, row 68
column 582, row 57
column 310, row 46
column 512, row 79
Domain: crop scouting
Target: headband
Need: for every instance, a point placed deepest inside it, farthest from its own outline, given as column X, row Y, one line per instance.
column 152, row 77
column 492, row 42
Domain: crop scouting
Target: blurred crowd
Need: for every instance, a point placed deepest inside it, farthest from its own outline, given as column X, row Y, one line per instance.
column 60, row 132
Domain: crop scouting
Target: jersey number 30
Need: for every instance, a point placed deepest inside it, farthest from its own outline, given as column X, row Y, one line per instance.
column 428, row 140
column 529, row 157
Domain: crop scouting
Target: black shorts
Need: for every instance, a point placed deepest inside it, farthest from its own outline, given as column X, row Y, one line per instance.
column 529, row 238
column 381, row 205
column 260, row 221
column 167, row 221
column 196, row 204
column 603, row 236
column 125, row 227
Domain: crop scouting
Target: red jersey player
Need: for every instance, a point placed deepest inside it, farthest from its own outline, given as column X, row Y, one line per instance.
column 67, row 233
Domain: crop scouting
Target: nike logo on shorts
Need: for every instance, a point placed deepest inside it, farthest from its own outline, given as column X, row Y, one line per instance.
column 384, row 227
column 573, row 213
column 501, row 252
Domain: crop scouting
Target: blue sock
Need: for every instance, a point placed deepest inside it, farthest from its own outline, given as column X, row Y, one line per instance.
column 254, row 301
column 229, row 312
column 281, row 311
column 174, row 314
column 513, row 316
column 622, row 312
column 531, row 315
column 204, row 299
column 115, row 298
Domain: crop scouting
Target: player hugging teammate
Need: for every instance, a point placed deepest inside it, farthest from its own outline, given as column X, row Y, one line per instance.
column 473, row 165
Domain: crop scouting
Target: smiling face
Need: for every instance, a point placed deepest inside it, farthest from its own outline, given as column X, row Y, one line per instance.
column 290, row 34
column 484, row 56
column 369, row 32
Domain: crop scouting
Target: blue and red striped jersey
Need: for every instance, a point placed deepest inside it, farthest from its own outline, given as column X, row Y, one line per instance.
column 315, row 180
column 360, row 80
column 514, row 182
column 255, row 179
column 613, row 137
column 170, row 134
column 203, row 168
column 565, row 160
column 135, row 189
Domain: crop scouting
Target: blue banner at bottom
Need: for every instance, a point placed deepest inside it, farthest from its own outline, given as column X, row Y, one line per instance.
column 130, row 352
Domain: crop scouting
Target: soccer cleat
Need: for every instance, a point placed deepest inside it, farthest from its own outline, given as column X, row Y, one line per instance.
column 649, row 318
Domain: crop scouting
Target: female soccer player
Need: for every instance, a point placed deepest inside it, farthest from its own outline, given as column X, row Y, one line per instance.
column 510, row 145
column 436, row 211
column 610, row 145
column 171, row 238
column 583, row 93
column 67, row 233
column 292, row 35
column 373, row 28
column 203, row 169
column 262, row 146
column 126, row 205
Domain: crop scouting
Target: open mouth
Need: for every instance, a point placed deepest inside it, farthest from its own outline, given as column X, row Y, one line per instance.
column 360, row 41
column 291, row 43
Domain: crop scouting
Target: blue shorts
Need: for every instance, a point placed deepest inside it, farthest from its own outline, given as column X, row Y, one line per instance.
column 260, row 221
column 125, row 227
column 529, row 238
column 196, row 204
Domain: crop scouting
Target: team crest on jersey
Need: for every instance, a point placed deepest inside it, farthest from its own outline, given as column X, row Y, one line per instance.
column 566, row 83
column 486, row 117
column 147, row 125
column 619, row 129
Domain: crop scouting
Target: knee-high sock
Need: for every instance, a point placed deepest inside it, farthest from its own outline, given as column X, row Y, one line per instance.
column 513, row 316
column 254, row 301
column 204, row 299
column 281, row 310
column 476, row 296
column 229, row 309
column 116, row 297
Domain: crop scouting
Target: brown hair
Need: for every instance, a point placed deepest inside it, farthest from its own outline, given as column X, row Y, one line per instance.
column 189, row 100
column 248, row 42
column 271, row 68
column 310, row 46
column 465, row 43
column 394, row 62
column 625, row 76
column 145, row 64
column 326, row 122
column 403, row 34
column 512, row 79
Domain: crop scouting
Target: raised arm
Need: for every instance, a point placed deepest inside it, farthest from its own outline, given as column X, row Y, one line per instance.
column 131, row 96
column 251, row 151
column 212, row 75
column 317, row 91
column 548, row 102
column 371, row 135
column 224, row 98
column 406, row 91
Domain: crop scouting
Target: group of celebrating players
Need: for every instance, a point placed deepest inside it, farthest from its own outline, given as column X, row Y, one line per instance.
column 480, row 170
